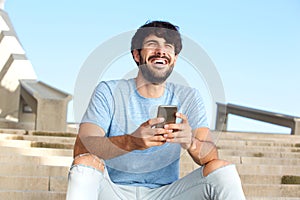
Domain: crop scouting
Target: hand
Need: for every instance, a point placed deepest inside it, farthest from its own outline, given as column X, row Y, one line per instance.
column 146, row 136
column 179, row 133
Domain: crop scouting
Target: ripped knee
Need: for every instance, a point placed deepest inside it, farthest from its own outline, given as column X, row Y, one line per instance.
column 90, row 160
column 214, row 165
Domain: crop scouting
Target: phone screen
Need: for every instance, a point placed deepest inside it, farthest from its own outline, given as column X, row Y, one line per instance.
column 169, row 113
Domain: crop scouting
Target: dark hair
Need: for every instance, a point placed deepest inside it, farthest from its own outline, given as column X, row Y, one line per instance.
column 160, row 29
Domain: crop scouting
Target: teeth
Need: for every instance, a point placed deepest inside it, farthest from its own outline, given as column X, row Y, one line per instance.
column 160, row 62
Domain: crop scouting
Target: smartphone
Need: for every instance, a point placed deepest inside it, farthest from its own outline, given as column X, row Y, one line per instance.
column 168, row 112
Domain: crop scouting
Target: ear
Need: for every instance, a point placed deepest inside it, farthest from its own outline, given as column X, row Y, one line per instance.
column 175, row 59
column 136, row 55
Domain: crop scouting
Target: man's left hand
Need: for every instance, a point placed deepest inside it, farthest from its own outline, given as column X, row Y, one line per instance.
column 182, row 132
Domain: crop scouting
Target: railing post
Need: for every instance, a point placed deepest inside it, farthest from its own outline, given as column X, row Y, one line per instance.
column 222, row 117
column 296, row 128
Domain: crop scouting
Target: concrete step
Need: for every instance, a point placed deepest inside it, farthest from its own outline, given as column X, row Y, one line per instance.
column 7, row 150
column 33, row 170
column 271, row 190
column 27, row 143
column 260, row 179
column 32, row 195
column 259, row 139
column 256, row 136
column 270, row 161
column 40, row 183
column 53, row 133
column 72, row 133
column 13, row 131
column 258, row 142
column 53, row 139
column 260, row 148
column 271, row 143
column 261, row 160
column 272, row 198
column 277, row 170
column 258, row 153
column 36, row 160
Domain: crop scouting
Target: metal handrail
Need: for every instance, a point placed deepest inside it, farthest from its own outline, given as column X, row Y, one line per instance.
column 271, row 117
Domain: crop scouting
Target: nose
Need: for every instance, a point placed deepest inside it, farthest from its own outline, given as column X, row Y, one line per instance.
column 160, row 51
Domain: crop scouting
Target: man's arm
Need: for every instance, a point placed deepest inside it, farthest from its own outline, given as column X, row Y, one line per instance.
column 91, row 138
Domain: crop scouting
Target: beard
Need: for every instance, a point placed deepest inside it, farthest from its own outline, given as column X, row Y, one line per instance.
column 152, row 76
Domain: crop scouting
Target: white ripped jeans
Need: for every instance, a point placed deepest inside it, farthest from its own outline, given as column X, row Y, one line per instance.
column 88, row 183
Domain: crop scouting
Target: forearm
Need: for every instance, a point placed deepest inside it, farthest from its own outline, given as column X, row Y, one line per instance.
column 91, row 139
column 104, row 147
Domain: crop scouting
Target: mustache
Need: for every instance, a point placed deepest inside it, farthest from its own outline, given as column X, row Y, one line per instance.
column 164, row 57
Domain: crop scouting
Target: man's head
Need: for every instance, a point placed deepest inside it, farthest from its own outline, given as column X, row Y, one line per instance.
column 160, row 29
column 155, row 48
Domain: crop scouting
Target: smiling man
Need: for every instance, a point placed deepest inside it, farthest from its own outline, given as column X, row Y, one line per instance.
column 119, row 152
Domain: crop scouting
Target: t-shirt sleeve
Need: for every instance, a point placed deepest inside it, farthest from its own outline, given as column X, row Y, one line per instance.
column 99, row 110
column 196, row 111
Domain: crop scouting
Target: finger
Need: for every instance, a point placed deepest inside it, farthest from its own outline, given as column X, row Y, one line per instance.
column 180, row 140
column 174, row 126
column 173, row 135
column 152, row 122
column 159, row 138
column 162, row 131
column 182, row 116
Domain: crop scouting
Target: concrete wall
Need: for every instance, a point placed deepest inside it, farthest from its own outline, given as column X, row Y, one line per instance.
column 14, row 66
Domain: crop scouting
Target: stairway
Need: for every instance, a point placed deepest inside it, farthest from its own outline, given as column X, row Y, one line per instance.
column 35, row 165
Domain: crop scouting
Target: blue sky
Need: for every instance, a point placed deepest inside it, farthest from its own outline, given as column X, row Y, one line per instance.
column 255, row 45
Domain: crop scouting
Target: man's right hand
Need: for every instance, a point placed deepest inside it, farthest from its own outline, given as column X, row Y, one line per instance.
column 147, row 135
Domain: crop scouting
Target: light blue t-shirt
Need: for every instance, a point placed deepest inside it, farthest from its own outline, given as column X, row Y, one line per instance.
column 118, row 108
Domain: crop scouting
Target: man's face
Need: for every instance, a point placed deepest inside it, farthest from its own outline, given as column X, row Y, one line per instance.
column 156, row 59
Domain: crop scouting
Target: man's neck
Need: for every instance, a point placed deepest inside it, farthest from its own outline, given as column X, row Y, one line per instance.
column 149, row 90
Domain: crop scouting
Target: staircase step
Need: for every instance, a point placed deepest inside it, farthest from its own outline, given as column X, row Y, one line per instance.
column 256, row 142
column 271, row 190
column 36, row 160
column 32, row 195
column 260, row 148
column 260, row 179
column 7, row 150
column 270, row 161
column 254, row 169
column 256, row 136
column 24, row 183
column 40, row 183
column 261, row 160
column 272, row 198
column 33, row 170
column 53, row 133
column 13, row 131
column 257, row 153
column 28, row 143
column 53, row 139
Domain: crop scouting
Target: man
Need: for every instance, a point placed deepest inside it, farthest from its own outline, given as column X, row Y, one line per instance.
column 120, row 154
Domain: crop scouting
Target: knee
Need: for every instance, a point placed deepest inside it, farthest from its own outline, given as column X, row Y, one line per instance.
column 214, row 165
column 90, row 160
